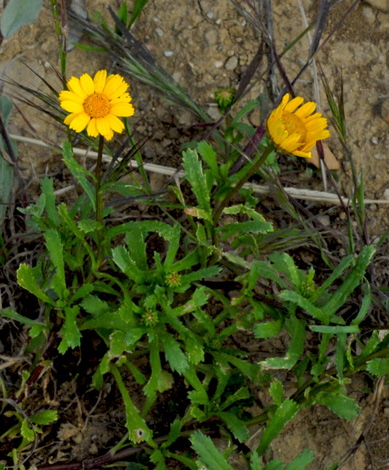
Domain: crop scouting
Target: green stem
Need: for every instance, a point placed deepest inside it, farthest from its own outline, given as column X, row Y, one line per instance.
column 61, row 30
column 99, row 202
column 221, row 206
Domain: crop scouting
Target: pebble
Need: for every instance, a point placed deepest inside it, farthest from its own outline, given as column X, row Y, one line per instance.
column 211, row 37
column 78, row 438
column 231, row 63
column 93, row 450
column 374, row 140
column 324, row 220
column 159, row 32
column 213, row 112
column 386, row 194
column 382, row 5
column 218, row 64
column 368, row 13
column 168, row 53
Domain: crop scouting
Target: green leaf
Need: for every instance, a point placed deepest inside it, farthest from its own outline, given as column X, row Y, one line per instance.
column 26, row 431
column 36, row 330
column 250, row 226
column 138, row 7
column 44, row 417
column 340, row 356
column 176, row 358
column 88, row 225
column 343, row 406
column 122, row 15
column 305, row 304
column 82, row 292
column 94, row 305
column 204, row 273
column 151, row 388
column 363, row 311
column 268, row 329
column 208, row 154
column 6, row 183
column 55, row 249
column 26, row 279
column 137, row 428
column 378, row 366
column 235, row 425
column 296, row 329
column 19, row 13
column 276, row 391
column 301, row 461
column 196, row 178
column 351, row 282
column 245, row 110
column 123, row 259
column 79, row 173
column 48, row 191
column 135, row 240
column 9, row 313
column 284, row 413
column 71, row 334
column 255, row 461
column 335, row 329
column 208, row 453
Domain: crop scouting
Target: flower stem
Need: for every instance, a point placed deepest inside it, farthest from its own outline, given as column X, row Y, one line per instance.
column 99, row 201
column 222, row 204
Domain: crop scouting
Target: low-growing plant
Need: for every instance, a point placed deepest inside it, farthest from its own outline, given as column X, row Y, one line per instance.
column 159, row 291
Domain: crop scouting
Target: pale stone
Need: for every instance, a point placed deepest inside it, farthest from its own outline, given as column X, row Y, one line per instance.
column 231, row 63
column 382, row 5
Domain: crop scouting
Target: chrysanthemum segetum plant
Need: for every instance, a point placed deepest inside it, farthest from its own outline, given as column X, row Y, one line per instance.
column 292, row 130
column 295, row 130
column 97, row 104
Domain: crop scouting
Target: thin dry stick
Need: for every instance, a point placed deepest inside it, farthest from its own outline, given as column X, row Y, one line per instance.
column 306, row 194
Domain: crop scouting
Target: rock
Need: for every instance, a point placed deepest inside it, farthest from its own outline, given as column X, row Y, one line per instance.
column 329, row 157
column 211, row 37
column 368, row 14
column 213, row 112
column 231, row 63
column 382, row 5
column 324, row 220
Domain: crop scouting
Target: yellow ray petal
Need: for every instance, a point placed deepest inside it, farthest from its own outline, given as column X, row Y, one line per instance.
column 115, row 123
column 92, row 129
column 80, row 122
column 87, row 84
column 102, row 126
column 72, row 106
column 306, row 109
column 70, row 96
column 99, row 80
column 75, row 86
column 122, row 109
column 295, row 103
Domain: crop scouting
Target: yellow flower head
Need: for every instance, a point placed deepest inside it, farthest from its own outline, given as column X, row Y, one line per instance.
column 96, row 104
column 296, row 131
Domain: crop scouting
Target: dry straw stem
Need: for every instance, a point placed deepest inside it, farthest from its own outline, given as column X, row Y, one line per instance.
column 306, row 194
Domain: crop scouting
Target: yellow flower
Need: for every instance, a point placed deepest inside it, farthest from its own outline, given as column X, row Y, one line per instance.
column 296, row 131
column 96, row 104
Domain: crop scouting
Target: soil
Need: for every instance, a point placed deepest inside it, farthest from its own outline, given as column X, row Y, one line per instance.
column 205, row 45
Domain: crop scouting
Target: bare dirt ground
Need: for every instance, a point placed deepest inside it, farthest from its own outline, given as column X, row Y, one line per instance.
column 207, row 44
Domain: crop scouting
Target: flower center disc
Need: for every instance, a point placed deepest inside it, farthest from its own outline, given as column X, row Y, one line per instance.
column 97, row 105
column 294, row 125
